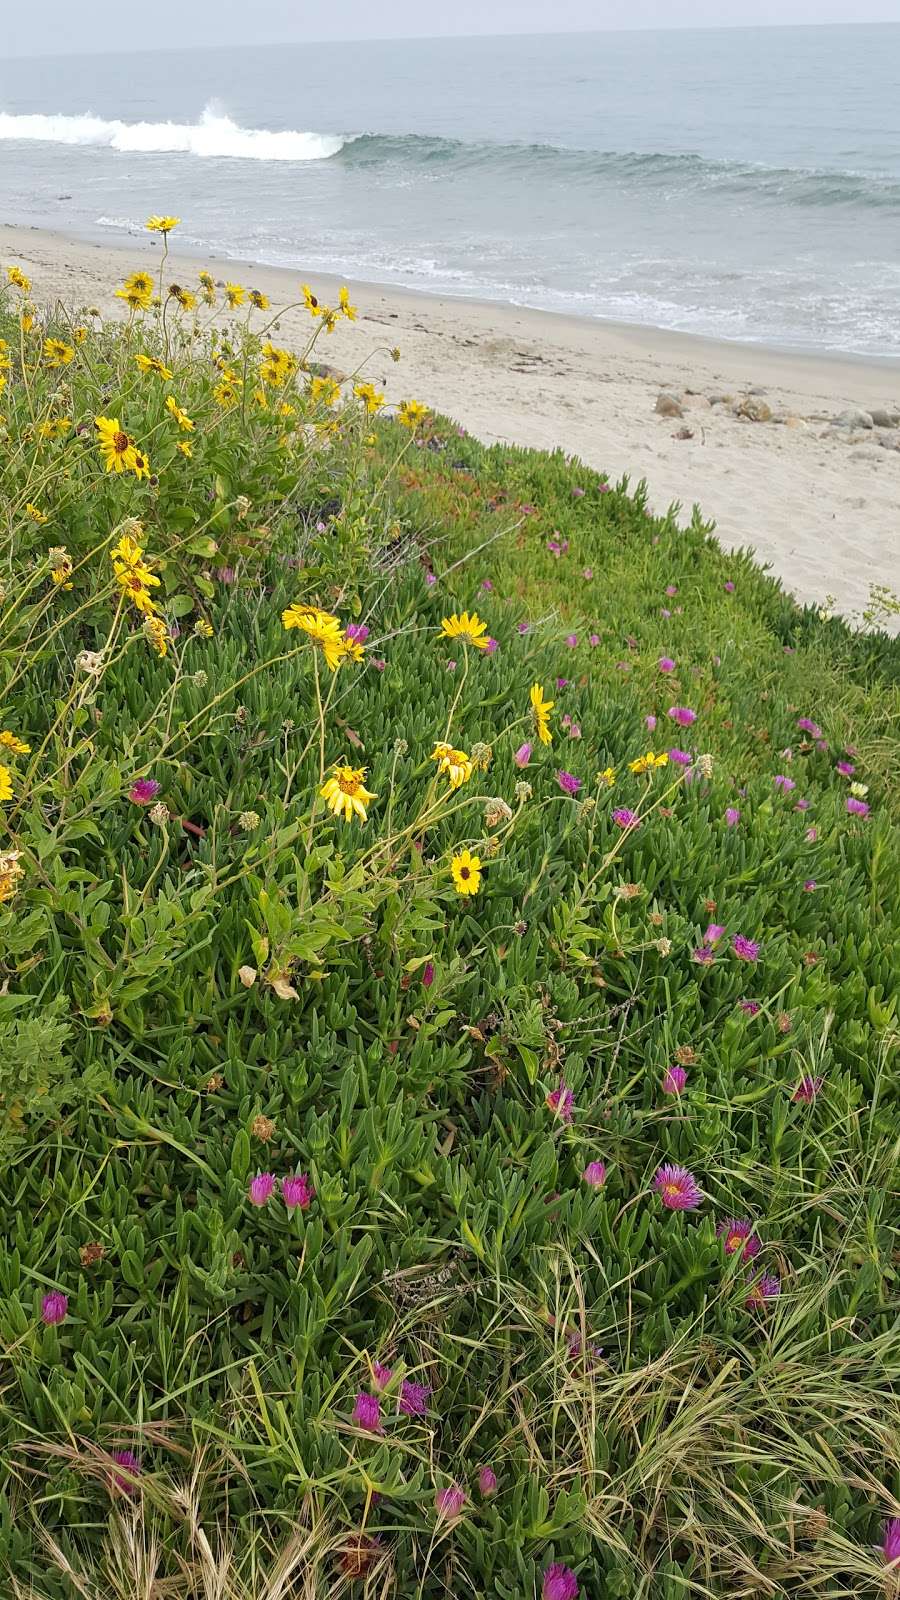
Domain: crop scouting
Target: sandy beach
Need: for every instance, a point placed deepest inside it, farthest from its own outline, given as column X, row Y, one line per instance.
column 752, row 442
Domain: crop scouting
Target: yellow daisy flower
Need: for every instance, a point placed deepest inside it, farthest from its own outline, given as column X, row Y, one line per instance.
column 207, row 280
column 348, row 310
column 345, row 792
column 411, row 413
column 6, row 788
column 56, row 353
column 185, row 448
column 141, row 281
column 225, row 394
column 466, row 870
column 140, row 466
column 11, row 741
column 155, row 630
column 36, row 514
column 54, row 427
column 148, row 364
column 310, row 301
column 203, row 628
column 541, row 709
column 322, row 628
column 259, row 300
column 136, row 299
column 607, row 777
column 161, row 224
column 60, row 565
column 324, row 391
column 454, row 763
column 79, row 335
column 16, row 276
column 235, row 294
column 647, row 762
column 371, row 397
column 185, row 298
column 286, row 409
column 470, row 629
column 114, row 444
column 181, row 417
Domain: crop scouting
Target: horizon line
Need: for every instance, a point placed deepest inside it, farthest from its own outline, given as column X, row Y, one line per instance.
column 420, row 38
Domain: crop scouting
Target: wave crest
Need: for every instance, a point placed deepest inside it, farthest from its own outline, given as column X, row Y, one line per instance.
column 215, row 135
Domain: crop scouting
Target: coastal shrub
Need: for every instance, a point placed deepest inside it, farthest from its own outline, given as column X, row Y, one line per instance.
column 448, row 997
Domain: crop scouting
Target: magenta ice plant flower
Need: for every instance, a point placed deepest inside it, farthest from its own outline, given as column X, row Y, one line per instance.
column 768, row 1287
column 703, row 956
column 680, row 758
column 808, row 726
column 674, row 1080
column 845, row 768
column 809, row 884
column 857, row 808
column 650, row 723
column 449, row 1503
column 487, row 1481
column 807, row 1089
column 523, row 755
column 677, row 1188
column 571, row 640
column 560, row 1583
column 787, row 784
column 131, row 1467
column 414, row 1398
column 561, row 1101
column 666, row 664
column 491, row 647
column 367, row 1412
column 143, row 791
column 382, row 1375
column 54, row 1307
column 728, row 587
column 738, row 1237
column 568, row 782
column 594, row 1174
column 671, row 588
column 428, row 975
column 623, row 817
column 745, row 949
column 297, row 1191
column 261, row 1188
column 890, row 1543
column 714, row 933
column 732, row 816
column 683, row 715
column 594, row 640
column 812, row 835
column 750, row 1008
column 357, row 632
column 522, row 627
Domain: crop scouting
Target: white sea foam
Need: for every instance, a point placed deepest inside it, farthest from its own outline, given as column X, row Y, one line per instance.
column 214, row 135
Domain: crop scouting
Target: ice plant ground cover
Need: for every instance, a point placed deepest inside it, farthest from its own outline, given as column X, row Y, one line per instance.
column 448, row 1087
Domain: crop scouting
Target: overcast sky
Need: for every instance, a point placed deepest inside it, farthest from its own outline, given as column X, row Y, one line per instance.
column 60, row 26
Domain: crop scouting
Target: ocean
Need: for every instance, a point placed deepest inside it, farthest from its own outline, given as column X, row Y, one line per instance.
column 739, row 183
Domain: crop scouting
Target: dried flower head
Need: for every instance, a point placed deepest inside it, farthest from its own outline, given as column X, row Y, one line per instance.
column 159, row 814
column 90, row 1254
column 496, row 811
column 90, row 662
column 262, row 1128
column 248, row 820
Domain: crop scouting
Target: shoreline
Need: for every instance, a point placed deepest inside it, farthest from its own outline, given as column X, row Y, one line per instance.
column 121, row 243
column 819, row 505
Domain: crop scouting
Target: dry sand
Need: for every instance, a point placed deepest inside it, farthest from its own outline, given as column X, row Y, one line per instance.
column 822, row 509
